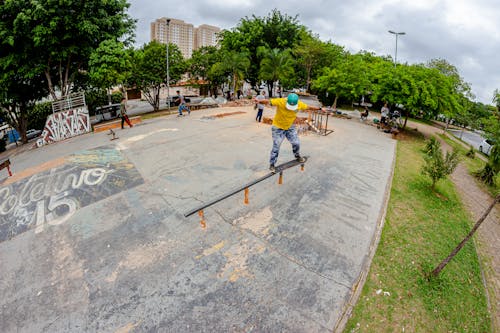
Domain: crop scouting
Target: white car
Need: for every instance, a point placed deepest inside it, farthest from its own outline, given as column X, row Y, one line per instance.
column 32, row 133
column 485, row 146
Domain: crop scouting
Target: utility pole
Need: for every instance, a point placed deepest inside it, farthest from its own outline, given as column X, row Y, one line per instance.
column 168, row 70
column 396, row 34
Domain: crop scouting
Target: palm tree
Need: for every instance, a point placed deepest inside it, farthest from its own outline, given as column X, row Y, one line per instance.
column 276, row 65
column 234, row 64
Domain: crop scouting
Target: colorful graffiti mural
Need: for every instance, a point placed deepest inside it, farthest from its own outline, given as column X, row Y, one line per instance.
column 53, row 196
column 65, row 124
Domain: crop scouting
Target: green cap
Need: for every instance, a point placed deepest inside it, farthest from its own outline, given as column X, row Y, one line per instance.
column 292, row 102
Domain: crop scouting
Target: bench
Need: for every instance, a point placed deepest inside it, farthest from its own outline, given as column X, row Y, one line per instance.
column 6, row 164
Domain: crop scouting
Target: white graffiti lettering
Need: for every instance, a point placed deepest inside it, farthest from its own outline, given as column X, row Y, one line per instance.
column 51, row 186
column 65, row 124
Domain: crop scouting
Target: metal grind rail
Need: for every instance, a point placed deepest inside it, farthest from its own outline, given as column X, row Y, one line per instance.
column 245, row 188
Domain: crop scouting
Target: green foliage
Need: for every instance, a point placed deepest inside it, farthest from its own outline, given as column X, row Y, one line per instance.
column 110, row 64
column 436, row 166
column 496, row 98
column 233, row 65
column 37, row 115
column 471, row 153
column 275, row 31
column 491, row 171
column 96, row 97
column 348, row 78
column 149, row 70
column 313, row 55
column 275, row 66
column 56, row 38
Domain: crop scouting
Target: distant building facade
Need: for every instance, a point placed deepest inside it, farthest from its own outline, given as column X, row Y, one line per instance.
column 206, row 35
column 184, row 35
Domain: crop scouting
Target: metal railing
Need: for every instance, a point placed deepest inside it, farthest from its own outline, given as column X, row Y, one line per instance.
column 69, row 102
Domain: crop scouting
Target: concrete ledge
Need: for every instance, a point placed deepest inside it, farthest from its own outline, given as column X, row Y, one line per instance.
column 115, row 124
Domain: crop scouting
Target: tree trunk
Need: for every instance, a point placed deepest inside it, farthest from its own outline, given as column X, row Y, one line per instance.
column 270, row 86
column 453, row 253
column 335, row 102
column 49, row 83
column 109, row 95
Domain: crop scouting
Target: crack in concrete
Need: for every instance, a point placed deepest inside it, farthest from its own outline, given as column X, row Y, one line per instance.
column 284, row 255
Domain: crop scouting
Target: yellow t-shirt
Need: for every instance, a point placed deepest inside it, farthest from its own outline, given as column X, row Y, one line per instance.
column 284, row 118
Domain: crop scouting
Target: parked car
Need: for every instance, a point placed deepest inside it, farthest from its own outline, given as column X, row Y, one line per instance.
column 107, row 112
column 485, row 146
column 32, row 133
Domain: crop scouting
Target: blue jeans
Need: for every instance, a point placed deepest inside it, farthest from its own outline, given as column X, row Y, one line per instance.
column 278, row 136
column 183, row 107
column 259, row 115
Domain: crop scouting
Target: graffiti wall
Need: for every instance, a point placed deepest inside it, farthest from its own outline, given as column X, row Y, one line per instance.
column 53, row 196
column 65, row 124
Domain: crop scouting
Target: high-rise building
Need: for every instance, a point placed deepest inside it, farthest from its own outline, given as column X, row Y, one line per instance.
column 184, row 35
column 180, row 33
column 205, row 35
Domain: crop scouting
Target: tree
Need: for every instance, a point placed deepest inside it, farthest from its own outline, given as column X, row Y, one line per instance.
column 18, row 94
column 437, row 167
column 149, row 69
column 276, row 30
column 201, row 63
column 110, row 64
column 348, row 79
column 492, row 168
column 313, row 55
column 496, row 98
column 275, row 66
column 233, row 65
column 56, row 39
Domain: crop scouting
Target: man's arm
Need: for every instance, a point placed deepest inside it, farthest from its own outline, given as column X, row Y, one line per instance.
column 262, row 101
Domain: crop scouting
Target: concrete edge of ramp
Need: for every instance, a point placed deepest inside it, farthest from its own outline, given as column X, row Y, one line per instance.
column 357, row 287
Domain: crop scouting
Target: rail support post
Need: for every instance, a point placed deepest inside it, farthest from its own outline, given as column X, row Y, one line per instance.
column 246, row 196
column 202, row 219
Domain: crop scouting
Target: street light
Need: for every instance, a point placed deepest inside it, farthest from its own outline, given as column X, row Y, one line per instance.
column 396, row 34
column 168, row 71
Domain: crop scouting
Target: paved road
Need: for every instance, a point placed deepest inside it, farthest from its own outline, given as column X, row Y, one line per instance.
column 93, row 237
column 471, row 138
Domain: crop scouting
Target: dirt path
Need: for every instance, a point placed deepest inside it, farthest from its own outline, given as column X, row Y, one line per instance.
column 476, row 200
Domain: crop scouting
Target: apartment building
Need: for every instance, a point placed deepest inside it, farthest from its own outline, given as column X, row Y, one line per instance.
column 184, row 35
column 205, row 35
column 180, row 33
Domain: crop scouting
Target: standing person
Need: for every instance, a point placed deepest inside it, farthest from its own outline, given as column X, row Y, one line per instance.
column 384, row 113
column 260, row 106
column 123, row 112
column 365, row 113
column 286, row 112
column 182, row 104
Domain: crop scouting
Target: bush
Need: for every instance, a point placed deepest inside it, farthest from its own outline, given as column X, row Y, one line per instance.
column 38, row 115
column 436, row 166
column 471, row 153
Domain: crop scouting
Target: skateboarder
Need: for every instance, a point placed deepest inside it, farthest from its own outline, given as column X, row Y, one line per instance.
column 123, row 112
column 286, row 112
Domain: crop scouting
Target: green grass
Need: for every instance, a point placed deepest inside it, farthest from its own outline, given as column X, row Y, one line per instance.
column 421, row 229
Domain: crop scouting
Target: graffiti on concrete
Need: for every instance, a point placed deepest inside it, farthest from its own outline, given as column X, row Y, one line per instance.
column 65, row 124
column 52, row 197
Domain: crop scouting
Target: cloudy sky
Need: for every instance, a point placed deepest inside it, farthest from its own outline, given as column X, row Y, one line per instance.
column 464, row 32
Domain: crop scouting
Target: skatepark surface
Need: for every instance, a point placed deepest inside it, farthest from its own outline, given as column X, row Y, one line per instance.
column 93, row 236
